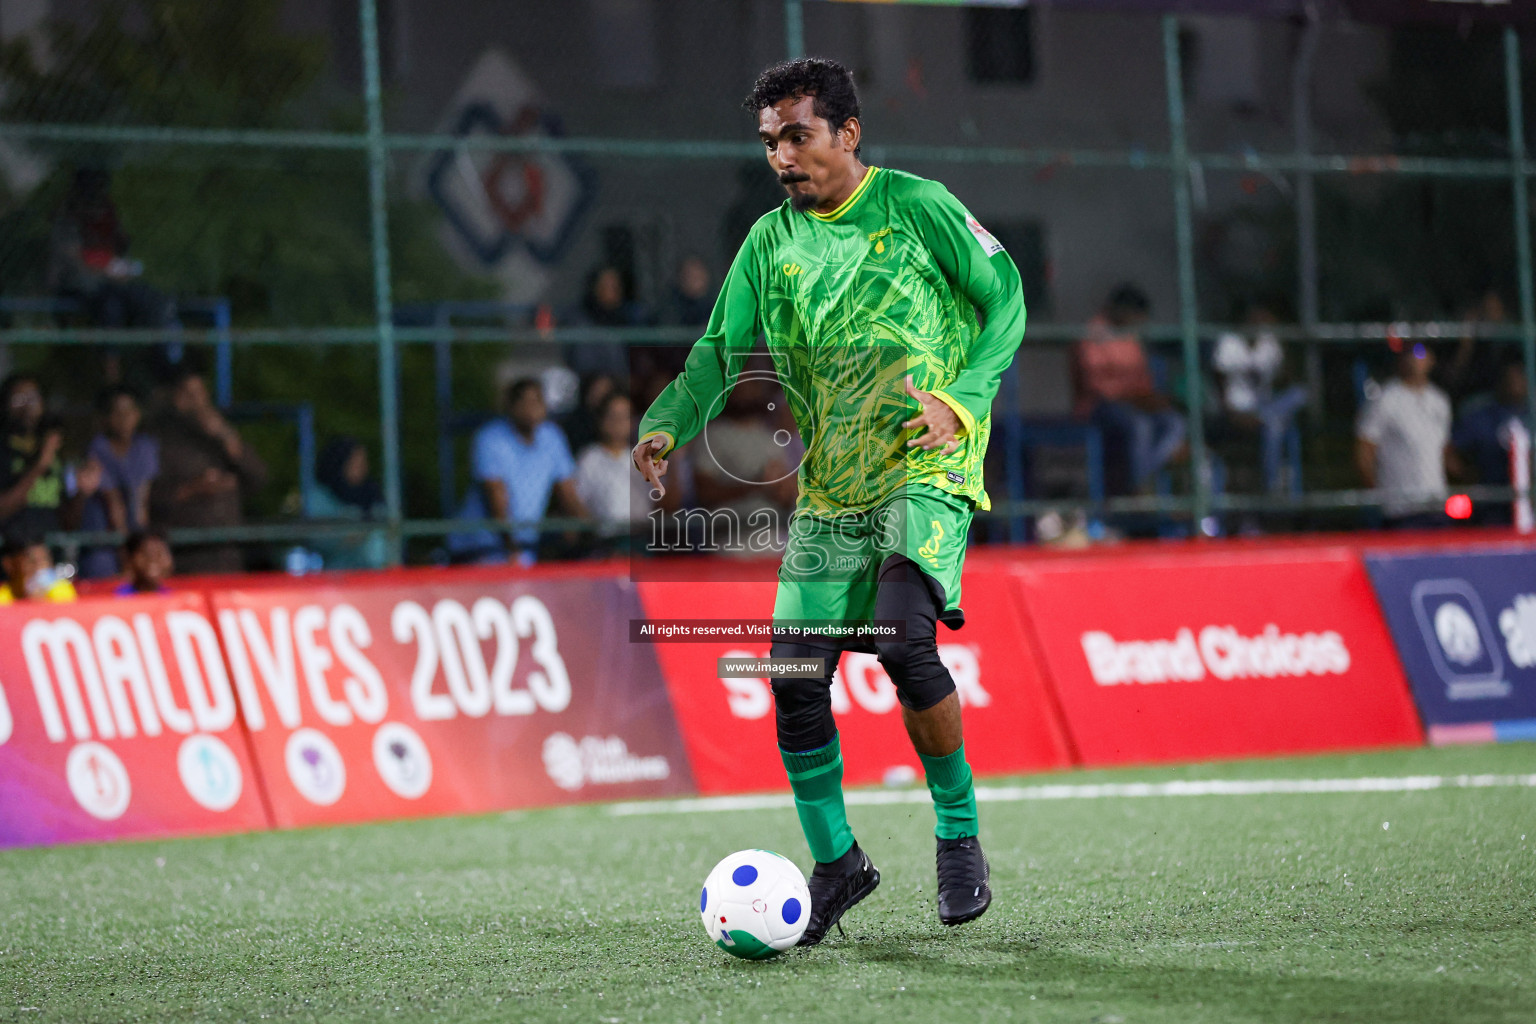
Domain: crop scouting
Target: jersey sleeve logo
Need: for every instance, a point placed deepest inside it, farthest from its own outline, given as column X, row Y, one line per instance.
column 988, row 242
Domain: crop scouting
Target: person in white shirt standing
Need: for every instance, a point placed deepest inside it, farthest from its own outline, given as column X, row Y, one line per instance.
column 1402, row 444
column 605, row 480
column 1248, row 366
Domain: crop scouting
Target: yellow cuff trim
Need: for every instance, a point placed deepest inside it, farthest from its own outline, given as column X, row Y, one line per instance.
column 671, row 441
column 967, row 421
column 842, row 208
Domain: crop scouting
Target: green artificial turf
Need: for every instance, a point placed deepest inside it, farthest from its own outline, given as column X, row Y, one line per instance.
column 1216, row 908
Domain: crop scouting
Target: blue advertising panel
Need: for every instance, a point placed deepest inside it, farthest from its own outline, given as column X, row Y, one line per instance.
column 1465, row 627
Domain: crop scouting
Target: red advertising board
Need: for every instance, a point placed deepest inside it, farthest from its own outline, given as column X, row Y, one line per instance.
column 1217, row 655
column 117, row 718
column 448, row 696
column 728, row 724
column 426, row 692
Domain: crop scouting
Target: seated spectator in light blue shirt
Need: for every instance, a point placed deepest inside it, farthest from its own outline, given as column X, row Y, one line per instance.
column 516, row 463
column 345, row 489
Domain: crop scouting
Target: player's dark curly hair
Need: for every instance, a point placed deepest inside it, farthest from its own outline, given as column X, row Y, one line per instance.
column 827, row 81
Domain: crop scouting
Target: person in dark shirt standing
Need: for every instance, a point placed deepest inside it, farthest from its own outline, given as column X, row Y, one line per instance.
column 37, row 494
column 693, row 297
column 206, row 470
column 88, row 259
column 607, row 303
column 583, row 424
column 1486, row 438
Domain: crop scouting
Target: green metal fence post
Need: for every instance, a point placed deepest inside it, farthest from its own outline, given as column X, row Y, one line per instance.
column 1307, row 304
column 1520, row 181
column 794, row 29
column 1188, row 311
column 389, row 412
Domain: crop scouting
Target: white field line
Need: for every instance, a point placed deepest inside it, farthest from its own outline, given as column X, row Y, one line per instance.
column 1094, row 791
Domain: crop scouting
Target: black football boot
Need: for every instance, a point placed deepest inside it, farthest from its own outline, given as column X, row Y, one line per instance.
column 964, row 894
column 834, row 888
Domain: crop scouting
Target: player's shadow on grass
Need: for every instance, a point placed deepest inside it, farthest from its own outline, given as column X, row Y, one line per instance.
column 1266, row 990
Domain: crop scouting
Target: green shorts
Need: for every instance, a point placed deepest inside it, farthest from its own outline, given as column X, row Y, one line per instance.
column 831, row 562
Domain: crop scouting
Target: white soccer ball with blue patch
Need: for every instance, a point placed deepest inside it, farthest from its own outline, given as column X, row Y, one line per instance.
column 755, row 904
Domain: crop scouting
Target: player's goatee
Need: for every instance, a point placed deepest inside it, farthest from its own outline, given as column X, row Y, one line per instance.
column 801, row 201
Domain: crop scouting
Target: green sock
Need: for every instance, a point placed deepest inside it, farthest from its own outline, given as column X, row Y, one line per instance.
column 954, row 795
column 816, row 776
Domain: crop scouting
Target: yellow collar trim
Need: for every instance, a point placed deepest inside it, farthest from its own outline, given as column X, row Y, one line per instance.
column 869, row 175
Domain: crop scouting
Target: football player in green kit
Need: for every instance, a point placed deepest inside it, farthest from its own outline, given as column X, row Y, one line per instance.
column 890, row 314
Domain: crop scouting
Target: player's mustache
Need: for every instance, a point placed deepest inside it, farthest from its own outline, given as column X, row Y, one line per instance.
column 790, row 177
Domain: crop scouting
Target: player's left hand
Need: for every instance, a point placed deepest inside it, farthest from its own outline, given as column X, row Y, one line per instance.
column 937, row 417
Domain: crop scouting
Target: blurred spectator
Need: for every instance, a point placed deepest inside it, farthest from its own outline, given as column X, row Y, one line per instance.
column 147, row 559
column 88, row 259
column 582, row 424
column 345, row 489
column 30, row 574
column 744, row 469
column 1402, row 443
column 1114, row 388
column 562, row 390
column 606, row 480
column 607, row 303
column 1484, row 437
column 129, row 463
column 1472, row 367
column 693, row 297
column 516, row 463
column 1247, row 366
column 206, row 471
column 690, row 301
column 38, row 492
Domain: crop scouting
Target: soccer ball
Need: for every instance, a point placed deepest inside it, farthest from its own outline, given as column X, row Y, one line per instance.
column 755, row 904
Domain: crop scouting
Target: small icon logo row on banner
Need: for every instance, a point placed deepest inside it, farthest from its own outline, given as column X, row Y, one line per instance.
column 318, row 771
column 211, row 774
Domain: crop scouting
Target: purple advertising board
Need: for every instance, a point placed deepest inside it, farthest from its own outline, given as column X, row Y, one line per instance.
column 1465, row 627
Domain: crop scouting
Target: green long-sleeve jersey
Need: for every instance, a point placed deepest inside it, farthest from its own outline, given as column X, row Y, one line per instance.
column 900, row 279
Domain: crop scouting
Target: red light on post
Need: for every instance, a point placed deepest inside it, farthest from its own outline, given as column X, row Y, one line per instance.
column 1458, row 506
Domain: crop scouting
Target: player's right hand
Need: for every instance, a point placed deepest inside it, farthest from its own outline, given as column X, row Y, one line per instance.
column 650, row 466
